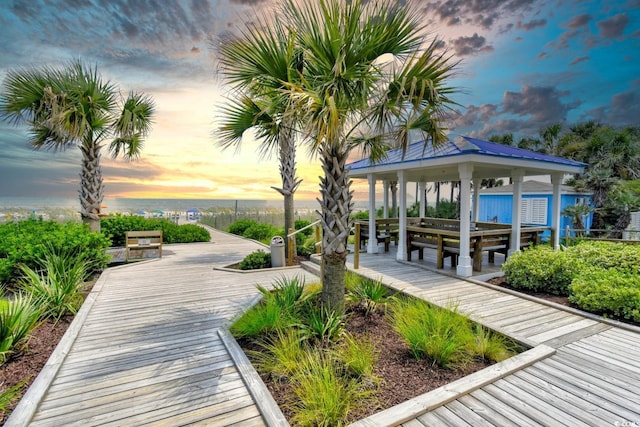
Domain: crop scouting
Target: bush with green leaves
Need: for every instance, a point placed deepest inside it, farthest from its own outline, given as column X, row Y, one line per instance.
column 116, row 226
column 609, row 291
column 25, row 242
column 606, row 255
column 260, row 232
column 18, row 317
column 238, row 227
column 256, row 260
column 57, row 282
column 307, row 248
column 542, row 269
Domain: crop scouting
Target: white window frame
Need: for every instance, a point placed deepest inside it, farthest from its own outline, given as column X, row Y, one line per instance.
column 534, row 210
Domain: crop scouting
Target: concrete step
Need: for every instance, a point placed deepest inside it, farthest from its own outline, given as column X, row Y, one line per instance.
column 311, row 267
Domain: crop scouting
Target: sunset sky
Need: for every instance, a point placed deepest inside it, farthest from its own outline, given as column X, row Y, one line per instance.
column 525, row 64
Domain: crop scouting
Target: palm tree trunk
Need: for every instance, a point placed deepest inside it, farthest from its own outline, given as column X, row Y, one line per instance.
column 91, row 186
column 336, row 206
column 289, row 181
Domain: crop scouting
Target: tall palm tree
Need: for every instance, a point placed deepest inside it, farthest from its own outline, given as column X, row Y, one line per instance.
column 347, row 100
column 259, row 65
column 72, row 106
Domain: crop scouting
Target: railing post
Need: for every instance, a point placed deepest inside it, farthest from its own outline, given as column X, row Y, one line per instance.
column 318, row 240
column 356, row 248
column 292, row 240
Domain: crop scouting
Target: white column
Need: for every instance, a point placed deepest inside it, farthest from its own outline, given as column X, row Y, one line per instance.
column 423, row 199
column 385, row 207
column 372, row 246
column 516, row 214
column 556, row 179
column 465, row 265
column 476, row 198
column 401, row 255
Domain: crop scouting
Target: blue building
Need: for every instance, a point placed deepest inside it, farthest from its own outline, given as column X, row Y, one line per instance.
column 496, row 204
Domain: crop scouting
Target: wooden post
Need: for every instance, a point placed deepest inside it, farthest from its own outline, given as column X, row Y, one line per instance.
column 291, row 246
column 318, row 240
column 356, row 248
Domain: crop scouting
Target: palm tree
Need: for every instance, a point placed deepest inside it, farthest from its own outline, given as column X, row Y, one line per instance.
column 72, row 106
column 348, row 100
column 577, row 213
column 260, row 65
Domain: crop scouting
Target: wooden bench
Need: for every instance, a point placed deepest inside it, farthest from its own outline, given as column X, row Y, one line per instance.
column 386, row 230
column 140, row 243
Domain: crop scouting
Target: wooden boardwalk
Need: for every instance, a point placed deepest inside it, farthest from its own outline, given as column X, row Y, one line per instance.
column 146, row 350
column 593, row 378
column 149, row 352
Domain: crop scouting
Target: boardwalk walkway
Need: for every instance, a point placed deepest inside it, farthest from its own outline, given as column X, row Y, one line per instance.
column 592, row 379
column 148, row 351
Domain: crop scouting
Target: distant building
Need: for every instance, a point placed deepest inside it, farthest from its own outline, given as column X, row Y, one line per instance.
column 537, row 201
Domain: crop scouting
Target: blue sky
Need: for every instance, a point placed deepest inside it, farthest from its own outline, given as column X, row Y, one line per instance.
column 525, row 64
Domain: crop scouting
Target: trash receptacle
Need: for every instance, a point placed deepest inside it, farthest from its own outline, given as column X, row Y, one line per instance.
column 277, row 252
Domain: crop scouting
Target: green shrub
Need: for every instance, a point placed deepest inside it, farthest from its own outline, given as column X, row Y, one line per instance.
column 287, row 292
column 542, row 269
column 307, row 248
column 362, row 215
column 606, row 255
column 115, row 228
column 256, row 260
column 608, row 291
column 488, row 345
column 25, row 242
column 57, row 283
column 18, row 317
column 260, row 232
column 322, row 325
column 239, row 226
column 12, row 395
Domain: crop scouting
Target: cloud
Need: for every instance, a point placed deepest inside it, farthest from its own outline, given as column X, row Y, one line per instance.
column 472, row 45
column 535, row 23
column 621, row 111
column 613, row 27
column 579, row 60
column 484, row 13
column 578, row 21
column 524, row 112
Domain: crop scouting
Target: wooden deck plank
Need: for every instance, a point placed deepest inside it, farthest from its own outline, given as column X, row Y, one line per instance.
column 520, row 404
column 450, row 418
column 583, row 409
column 544, row 325
column 508, row 411
column 487, row 412
column 562, row 330
column 630, row 366
column 465, row 413
column 582, row 390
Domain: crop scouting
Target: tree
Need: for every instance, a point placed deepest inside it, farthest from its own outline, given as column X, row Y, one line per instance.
column 577, row 213
column 261, row 64
column 72, row 106
column 349, row 99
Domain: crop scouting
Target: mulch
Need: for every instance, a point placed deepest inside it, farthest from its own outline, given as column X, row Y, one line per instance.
column 28, row 364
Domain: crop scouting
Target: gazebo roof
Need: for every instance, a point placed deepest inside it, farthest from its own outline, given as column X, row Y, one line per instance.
column 424, row 163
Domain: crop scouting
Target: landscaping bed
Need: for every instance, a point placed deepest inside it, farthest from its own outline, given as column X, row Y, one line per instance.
column 327, row 369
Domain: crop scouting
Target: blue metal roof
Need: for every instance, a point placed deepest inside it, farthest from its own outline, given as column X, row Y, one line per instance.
column 467, row 145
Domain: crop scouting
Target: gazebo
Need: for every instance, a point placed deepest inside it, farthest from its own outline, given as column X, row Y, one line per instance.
column 468, row 160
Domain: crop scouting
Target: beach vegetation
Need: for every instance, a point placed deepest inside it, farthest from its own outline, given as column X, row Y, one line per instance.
column 256, row 260
column 370, row 295
column 116, row 226
column 238, row 227
column 18, row 317
column 72, row 106
column 26, row 243
column 57, row 282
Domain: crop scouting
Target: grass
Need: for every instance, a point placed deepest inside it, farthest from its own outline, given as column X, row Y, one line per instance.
column 18, row 317
column 372, row 295
column 325, row 396
column 359, row 357
column 11, row 395
column 57, row 283
column 447, row 338
column 279, row 357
